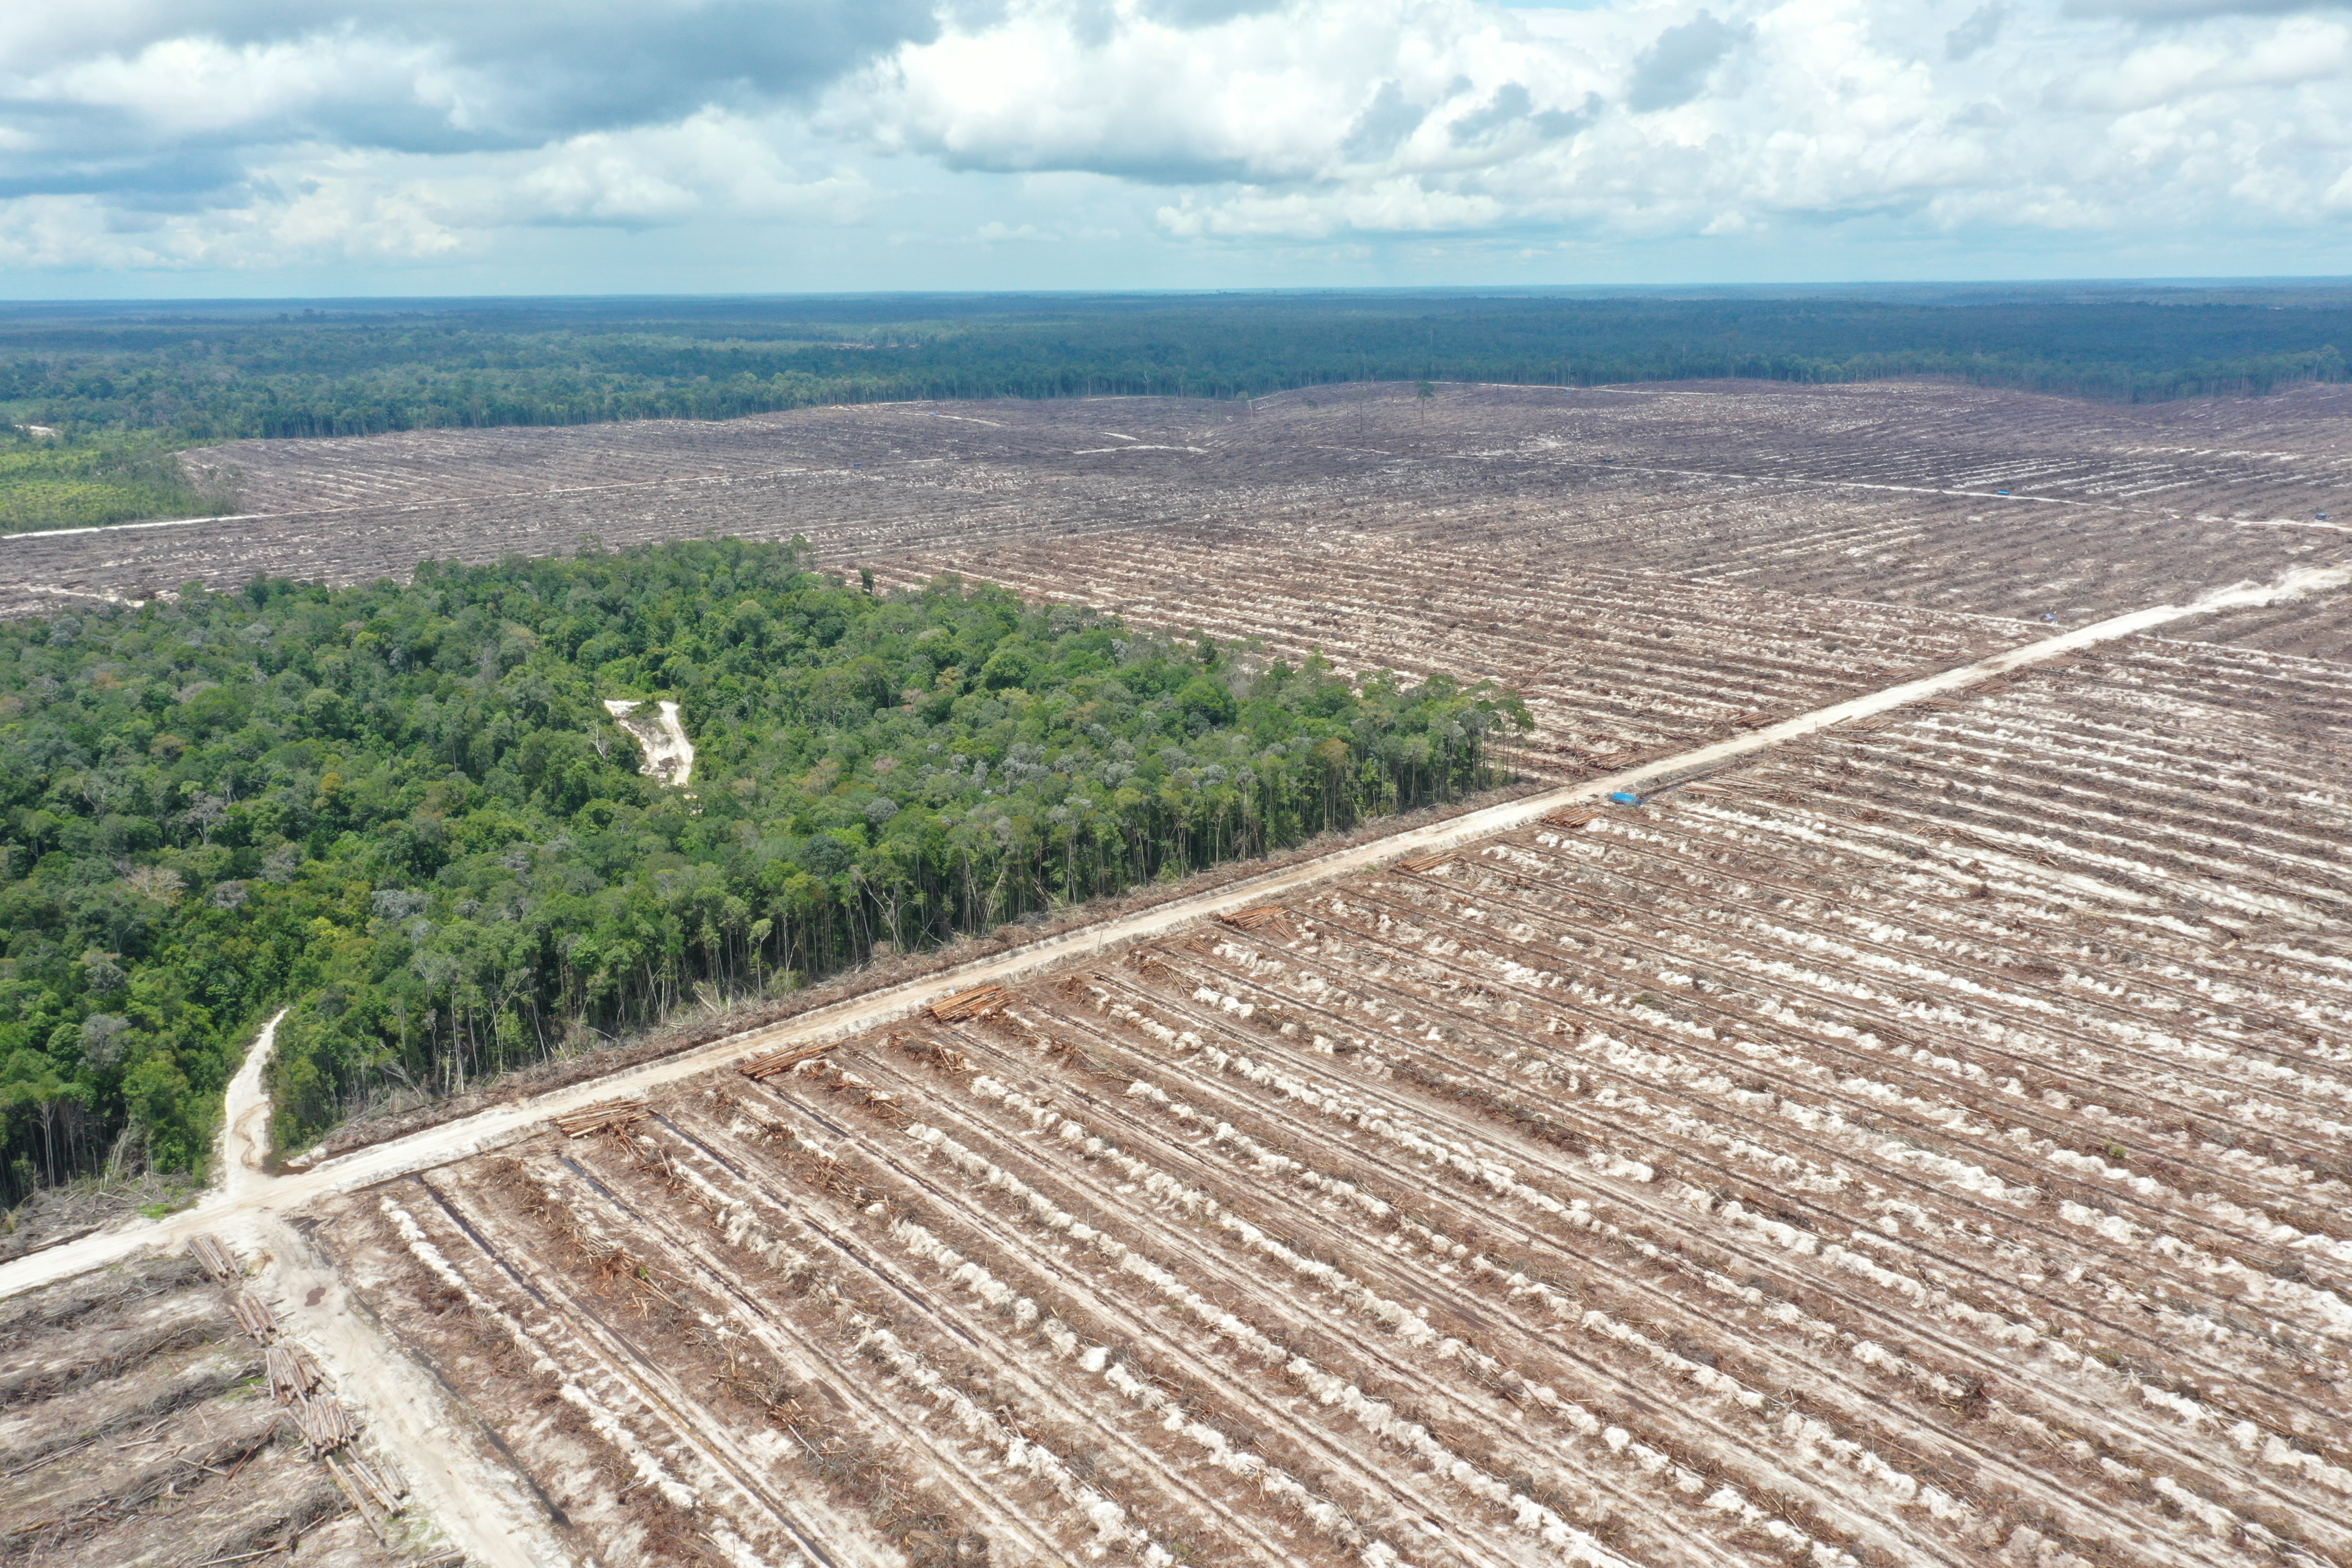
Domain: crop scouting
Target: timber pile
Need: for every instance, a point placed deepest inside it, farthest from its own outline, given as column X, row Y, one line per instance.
column 774, row 1062
column 1429, row 862
column 966, row 1004
column 212, row 1258
column 380, row 1482
column 254, row 1316
column 323, row 1422
column 1571, row 816
column 292, row 1373
column 1271, row 919
column 597, row 1118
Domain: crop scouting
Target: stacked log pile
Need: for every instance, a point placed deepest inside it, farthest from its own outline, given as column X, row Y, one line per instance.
column 292, row 1373
column 296, row 1381
column 212, row 1258
column 785, row 1061
column 254, row 1316
column 965, row 1005
column 1272, row 920
column 599, row 1117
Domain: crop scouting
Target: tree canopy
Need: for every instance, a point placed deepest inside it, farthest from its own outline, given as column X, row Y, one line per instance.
column 405, row 812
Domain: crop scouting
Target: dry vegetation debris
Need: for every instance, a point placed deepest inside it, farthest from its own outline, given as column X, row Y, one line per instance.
column 142, row 1423
column 1859, row 1162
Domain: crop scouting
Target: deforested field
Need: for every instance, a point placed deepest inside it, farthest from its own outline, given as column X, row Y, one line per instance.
column 1926, row 1140
column 1886, row 493
column 1927, row 1145
column 141, row 1424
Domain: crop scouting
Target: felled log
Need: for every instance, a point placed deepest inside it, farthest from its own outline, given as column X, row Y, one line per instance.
column 352, row 1489
column 212, row 1257
column 292, row 1373
column 1571, row 816
column 597, row 1118
column 967, row 1004
column 376, row 1481
column 1253, row 918
column 323, row 1422
column 1429, row 862
column 774, row 1062
column 254, row 1316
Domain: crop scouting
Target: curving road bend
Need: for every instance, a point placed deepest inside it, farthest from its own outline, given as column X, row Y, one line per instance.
column 243, row 1157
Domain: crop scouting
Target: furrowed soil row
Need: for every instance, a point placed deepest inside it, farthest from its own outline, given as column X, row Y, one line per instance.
column 1200, row 1282
column 1311, row 1231
column 981, row 1491
column 1197, row 1362
column 1732, row 1180
column 1495, row 1160
column 1765, row 1144
column 655, row 1431
column 730, row 1182
column 1858, row 973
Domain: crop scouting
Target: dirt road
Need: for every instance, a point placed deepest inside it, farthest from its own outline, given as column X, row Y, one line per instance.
column 244, row 1154
column 472, row 1506
column 474, row 1134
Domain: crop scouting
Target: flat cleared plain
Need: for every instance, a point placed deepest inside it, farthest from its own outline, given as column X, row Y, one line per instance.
column 1885, row 492
column 1926, row 1140
column 1849, row 1158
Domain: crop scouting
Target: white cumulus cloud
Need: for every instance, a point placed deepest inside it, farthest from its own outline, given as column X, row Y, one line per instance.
column 253, row 135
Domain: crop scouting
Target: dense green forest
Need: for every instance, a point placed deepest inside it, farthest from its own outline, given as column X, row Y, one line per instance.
column 405, row 812
column 399, row 366
column 186, row 373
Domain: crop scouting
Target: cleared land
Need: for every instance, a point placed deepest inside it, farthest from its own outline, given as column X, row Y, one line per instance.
column 1927, row 1141
column 141, row 1422
column 1880, row 492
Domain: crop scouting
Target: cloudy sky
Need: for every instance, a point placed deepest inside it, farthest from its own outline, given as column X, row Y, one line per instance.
column 257, row 147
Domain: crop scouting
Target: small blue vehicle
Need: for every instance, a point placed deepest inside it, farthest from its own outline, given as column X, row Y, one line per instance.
column 2000, row 492
column 1626, row 797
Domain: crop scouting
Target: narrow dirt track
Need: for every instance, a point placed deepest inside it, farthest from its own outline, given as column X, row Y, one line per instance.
column 489, row 1130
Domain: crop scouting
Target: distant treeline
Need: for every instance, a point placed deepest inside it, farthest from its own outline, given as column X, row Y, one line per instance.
column 195, row 376
column 405, row 811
